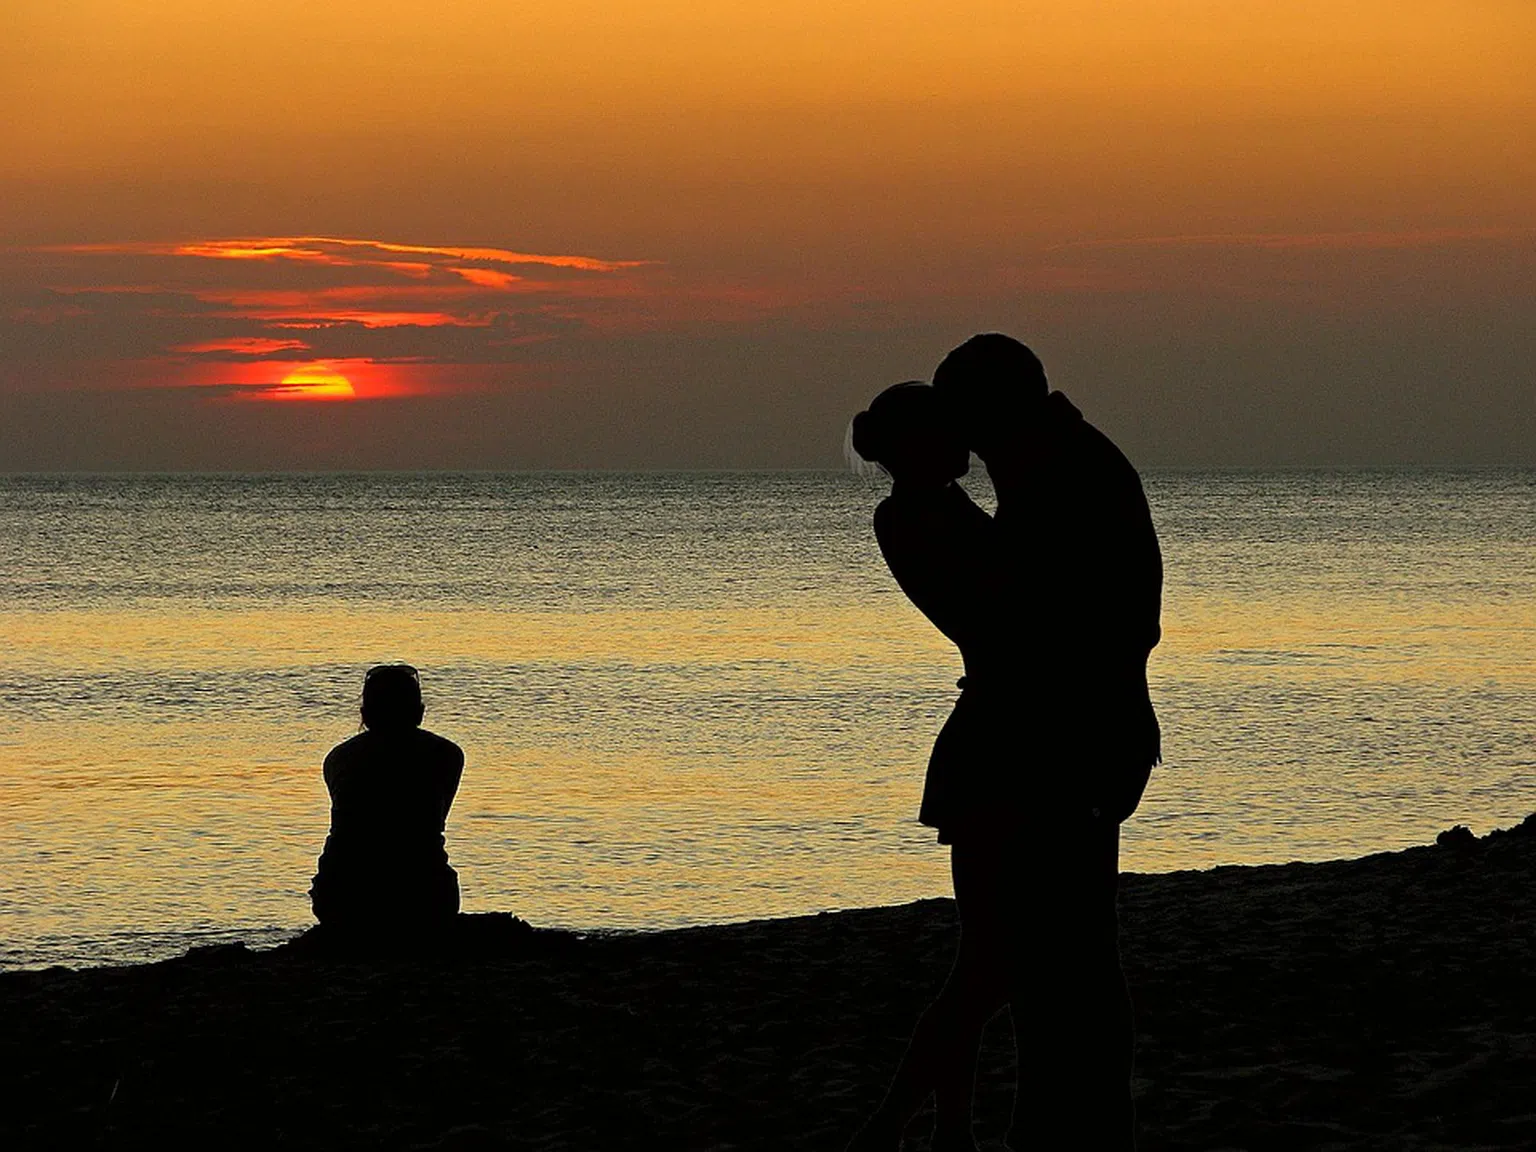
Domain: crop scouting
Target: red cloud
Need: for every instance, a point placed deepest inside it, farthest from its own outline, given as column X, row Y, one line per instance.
column 344, row 252
column 361, row 304
column 488, row 278
column 244, row 346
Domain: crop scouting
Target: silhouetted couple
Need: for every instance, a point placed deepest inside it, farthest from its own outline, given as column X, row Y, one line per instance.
column 1054, row 604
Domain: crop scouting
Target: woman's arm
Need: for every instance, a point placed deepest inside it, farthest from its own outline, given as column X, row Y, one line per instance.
column 943, row 554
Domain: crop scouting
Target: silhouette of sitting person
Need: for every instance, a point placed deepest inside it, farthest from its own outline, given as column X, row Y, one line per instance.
column 385, row 866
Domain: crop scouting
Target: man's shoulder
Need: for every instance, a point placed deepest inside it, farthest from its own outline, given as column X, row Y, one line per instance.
column 1073, row 430
column 1085, row 448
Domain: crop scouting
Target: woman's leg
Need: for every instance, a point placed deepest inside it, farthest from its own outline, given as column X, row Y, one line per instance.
column 941, row 1057
column 981, row 978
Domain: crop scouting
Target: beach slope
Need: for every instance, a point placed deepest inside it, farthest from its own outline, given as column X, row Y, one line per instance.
column 1381, row 1003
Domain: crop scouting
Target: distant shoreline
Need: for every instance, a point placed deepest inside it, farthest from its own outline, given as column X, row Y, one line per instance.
column 788, row 470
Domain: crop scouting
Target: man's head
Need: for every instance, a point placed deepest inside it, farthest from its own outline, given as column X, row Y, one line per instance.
column 995, row 385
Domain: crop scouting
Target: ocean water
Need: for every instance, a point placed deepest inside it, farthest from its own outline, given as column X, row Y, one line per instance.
column 691, row 698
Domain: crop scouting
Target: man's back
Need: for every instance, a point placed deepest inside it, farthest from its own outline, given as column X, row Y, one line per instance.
column 1081, row 521
column 1089, row 574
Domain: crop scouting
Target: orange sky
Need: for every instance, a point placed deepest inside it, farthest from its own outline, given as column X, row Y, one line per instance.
column 1242, row 232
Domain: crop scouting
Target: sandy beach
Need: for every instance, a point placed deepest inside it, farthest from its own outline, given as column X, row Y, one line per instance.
column 1385, row 1002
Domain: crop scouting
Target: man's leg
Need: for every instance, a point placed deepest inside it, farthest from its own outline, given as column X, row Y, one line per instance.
column 1071, row 1008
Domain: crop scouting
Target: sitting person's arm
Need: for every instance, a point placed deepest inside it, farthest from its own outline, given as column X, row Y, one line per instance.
column 339, row 762
column 447, row 770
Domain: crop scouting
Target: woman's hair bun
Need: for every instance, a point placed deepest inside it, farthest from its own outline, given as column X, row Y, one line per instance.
column 894, row 419
column 868, row 436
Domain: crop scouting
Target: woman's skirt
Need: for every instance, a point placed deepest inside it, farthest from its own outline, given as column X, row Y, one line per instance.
column 1009, row 756
column 976, row 769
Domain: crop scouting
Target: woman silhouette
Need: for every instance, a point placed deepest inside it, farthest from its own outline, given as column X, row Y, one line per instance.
column 940, row 547
column 385, row 866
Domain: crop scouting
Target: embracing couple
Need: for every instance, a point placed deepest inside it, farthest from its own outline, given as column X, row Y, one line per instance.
column 1054, row 604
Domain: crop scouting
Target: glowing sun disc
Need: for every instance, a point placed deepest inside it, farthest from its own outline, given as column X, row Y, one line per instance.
column 315, row 382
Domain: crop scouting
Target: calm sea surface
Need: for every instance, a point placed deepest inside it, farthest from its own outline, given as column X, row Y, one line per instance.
column 693, row 698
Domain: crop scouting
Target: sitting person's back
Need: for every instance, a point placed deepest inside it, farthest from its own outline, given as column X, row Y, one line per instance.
column 385, row 864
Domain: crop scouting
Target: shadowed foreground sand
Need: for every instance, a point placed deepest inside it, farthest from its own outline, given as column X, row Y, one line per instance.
column 1386, row 1003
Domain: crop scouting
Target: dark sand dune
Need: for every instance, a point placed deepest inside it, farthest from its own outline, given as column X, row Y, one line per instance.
column 1386, row 1003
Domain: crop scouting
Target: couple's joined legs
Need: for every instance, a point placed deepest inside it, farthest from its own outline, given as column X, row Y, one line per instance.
column 1038, row 933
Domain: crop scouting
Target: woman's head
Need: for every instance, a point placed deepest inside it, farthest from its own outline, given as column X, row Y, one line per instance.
column 910, row 431
column 392, row 697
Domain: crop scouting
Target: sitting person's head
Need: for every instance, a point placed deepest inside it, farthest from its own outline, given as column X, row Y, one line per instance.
column 996, row 385
column 909, row 431
column 392, row 698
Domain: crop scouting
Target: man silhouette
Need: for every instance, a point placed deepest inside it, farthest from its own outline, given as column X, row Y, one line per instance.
column 1083, row 589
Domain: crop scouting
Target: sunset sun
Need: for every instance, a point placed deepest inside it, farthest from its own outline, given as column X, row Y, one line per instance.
column 314, row 382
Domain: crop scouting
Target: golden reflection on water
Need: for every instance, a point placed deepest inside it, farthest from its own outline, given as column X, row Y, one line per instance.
column 147, row 640
column 653, row 741
column 1417, row 640
column 151, row 816
column 225, row 814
